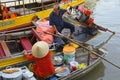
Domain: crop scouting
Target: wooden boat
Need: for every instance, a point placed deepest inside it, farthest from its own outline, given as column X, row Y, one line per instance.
column 27, row 10
column 86, row 60
column 11, row 46
column 13, row 42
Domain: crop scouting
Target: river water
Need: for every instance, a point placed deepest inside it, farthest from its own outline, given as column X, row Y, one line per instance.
column 107, row 14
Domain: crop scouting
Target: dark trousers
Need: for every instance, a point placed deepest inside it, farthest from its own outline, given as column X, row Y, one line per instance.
column 69, row 26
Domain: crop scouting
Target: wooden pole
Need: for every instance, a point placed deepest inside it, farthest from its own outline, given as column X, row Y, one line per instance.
column 42, row 2
column 23, row 6
column 102, row 28
column 97, row 27
column 77, row 42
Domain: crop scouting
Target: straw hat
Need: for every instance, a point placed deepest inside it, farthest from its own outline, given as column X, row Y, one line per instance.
column 40, row 49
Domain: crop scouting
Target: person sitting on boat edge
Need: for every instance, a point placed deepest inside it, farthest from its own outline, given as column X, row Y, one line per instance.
column 56, row 20
column 43, row 66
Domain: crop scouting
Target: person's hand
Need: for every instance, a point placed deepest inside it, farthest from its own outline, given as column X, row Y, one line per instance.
column 70, row 44
column 25, row 52
column 60, row 34
column 56, row 32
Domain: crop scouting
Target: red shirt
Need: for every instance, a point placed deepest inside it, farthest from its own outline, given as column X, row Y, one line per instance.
column 44, row 66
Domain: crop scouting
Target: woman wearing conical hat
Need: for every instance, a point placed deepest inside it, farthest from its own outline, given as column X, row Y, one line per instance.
column 42, row 57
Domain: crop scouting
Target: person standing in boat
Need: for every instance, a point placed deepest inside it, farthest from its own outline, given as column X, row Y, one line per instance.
column 56, row 20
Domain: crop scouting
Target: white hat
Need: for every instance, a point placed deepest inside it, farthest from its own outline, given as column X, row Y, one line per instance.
column 40, row 49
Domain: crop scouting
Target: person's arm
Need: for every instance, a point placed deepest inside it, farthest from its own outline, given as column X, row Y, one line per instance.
column 63, row 12
column 28, row 56
column 56, row 31
column 52, row 23
column 34, row 23
column 64, row 15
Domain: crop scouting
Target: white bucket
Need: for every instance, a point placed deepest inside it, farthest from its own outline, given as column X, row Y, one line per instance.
column 69, row 53
column 69, row 57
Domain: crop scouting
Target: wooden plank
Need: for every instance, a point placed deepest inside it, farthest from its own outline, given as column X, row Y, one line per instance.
column 93, row 56
column 2, row 54
column 12, row 61
column 27, row 45
column 5, row 48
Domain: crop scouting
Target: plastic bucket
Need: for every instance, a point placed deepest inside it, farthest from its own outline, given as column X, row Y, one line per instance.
column 69, row 53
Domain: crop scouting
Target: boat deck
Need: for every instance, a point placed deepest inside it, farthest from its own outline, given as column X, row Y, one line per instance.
column 100, row 39
column 97, row 40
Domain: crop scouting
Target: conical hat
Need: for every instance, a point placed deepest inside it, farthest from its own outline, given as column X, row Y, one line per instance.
column 40, row 49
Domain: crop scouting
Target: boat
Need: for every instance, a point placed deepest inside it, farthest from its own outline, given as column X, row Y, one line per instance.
column 26, row 11
column 18, row 40
column 13, row 42
column 12, row 48
column 11, row 55
column 85, row 65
